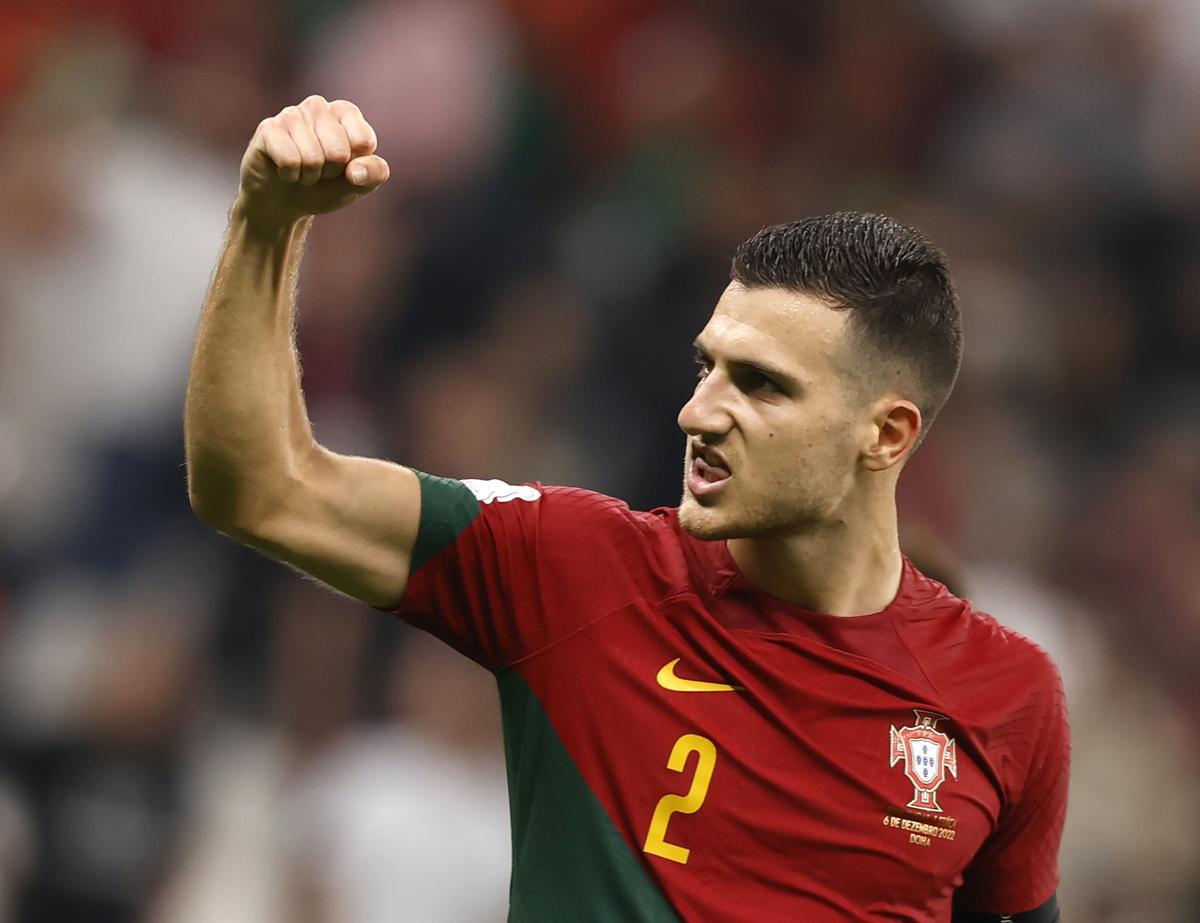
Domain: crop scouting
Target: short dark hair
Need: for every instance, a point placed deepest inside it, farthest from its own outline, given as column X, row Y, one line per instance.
column 892, row 279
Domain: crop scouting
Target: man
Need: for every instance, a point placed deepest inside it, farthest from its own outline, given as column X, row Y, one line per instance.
column 749, row 708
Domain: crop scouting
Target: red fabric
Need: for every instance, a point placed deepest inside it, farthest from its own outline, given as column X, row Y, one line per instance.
column 806, row 818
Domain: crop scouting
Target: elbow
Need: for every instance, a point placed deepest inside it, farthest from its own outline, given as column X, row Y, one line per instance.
column 211, row 508
column 224, row 504
column 213, row 486
column 243, row 499
column 240, row 508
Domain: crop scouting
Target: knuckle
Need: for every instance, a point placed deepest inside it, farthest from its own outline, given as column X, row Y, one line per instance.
column 338, row 143
column 344, row 105
column 314, row 101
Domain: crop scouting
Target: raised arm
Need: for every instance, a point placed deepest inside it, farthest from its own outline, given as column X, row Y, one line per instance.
column 254, row 469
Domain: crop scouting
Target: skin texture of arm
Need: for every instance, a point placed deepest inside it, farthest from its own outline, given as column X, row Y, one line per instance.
column 255, row 471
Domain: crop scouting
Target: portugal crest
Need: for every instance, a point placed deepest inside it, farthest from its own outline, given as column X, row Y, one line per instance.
column 928, row 755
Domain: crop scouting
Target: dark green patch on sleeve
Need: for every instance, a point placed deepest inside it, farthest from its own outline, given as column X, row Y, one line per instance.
column 447, row 508
column 569, row 861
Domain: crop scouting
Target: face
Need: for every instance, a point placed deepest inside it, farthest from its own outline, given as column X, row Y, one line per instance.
column 774, row 429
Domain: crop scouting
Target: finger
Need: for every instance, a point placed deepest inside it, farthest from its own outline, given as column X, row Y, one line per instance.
column 312, row 157
column 334, row 143
column 369, row 172
column 335, row 146
column 278, row 145
column 357, row 128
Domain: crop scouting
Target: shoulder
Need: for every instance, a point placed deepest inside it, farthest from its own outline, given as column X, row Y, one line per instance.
column 569, row 530
column 1000, row 679
column 566, row 512
column 1011, row 654
column 470, row 504
column 646, row 542
column 996, row 642
column 483, row 495
column 1007, row 695
column 1004, row 687
column 960, row 641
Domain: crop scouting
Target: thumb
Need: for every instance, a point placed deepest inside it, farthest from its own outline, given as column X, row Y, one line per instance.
column 367, row 172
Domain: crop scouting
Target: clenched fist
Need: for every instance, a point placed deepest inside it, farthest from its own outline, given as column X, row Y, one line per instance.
column 309, row 159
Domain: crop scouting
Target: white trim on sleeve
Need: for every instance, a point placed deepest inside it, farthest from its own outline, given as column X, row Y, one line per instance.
column 499, row 491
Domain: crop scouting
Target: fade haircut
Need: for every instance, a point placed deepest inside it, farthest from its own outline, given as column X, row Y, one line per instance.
column 893, row 281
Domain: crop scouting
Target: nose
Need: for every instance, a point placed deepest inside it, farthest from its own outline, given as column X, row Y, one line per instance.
column 707, row 412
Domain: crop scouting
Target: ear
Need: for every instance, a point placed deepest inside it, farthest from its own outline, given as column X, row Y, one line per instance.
column 895, row 429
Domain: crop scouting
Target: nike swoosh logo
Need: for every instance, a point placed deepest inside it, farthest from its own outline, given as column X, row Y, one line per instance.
column 668, row 680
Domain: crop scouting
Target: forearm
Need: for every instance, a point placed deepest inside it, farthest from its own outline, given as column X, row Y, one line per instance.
column 246, row 429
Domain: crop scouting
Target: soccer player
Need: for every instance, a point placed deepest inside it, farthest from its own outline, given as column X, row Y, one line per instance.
column 751, row 707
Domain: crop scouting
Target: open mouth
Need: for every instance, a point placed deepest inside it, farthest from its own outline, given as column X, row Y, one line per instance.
column 706, row 478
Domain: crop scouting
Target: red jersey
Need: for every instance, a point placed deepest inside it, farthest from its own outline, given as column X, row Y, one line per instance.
column 682, row 745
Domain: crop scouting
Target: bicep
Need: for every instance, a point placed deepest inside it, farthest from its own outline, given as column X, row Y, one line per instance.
column 350, row 522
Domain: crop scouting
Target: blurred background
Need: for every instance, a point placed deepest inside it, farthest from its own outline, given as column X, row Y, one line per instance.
column 191, row 733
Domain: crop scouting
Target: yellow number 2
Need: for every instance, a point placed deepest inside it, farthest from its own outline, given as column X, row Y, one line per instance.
column 656, row 836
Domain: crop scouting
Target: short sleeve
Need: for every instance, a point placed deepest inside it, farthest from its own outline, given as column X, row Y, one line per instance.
column 501, row 571
column 1016, row 870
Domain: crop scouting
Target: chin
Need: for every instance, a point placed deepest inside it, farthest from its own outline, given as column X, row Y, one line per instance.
column 720, row 521
column 705, row 523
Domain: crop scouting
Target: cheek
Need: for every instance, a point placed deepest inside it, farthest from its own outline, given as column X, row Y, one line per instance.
column 812, row 443
column 783, row 454
column 823, row 449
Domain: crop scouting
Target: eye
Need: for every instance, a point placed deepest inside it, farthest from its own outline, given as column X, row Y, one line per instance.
column 703, row 366
column 751, row 379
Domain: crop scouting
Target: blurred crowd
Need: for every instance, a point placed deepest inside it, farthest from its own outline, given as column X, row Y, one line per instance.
column 189, row 732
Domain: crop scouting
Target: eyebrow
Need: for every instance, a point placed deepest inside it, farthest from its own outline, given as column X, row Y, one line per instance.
column 765, row 368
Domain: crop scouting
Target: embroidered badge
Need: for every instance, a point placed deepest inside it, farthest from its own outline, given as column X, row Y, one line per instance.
column 928, row 755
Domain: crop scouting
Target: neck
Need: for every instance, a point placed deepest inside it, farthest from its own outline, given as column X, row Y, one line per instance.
column 846, row 566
